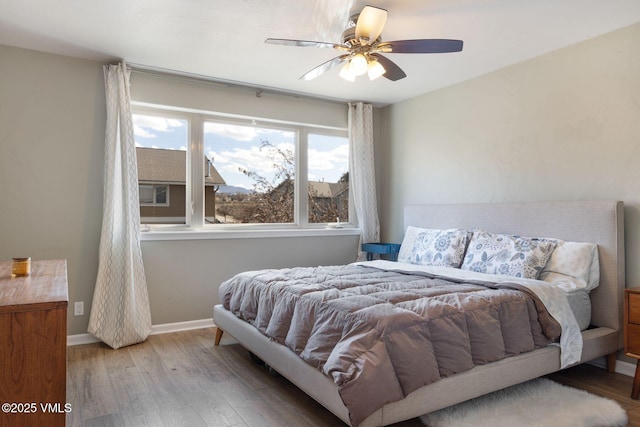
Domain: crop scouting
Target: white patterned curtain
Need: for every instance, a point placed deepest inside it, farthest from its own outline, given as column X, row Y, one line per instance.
column 362, row 172
column 120, row 313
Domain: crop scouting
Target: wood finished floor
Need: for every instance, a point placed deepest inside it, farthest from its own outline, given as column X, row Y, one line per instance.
column 182, row 379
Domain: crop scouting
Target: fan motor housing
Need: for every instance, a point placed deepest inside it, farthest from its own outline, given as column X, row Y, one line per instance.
column 349, row 37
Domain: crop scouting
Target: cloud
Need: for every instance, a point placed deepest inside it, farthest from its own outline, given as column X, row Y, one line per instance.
column 323, row 165
column 243, row 133
column 338, row 158
column 140, row 131
column 144, row 126
column 253, row 159
column 239, row 133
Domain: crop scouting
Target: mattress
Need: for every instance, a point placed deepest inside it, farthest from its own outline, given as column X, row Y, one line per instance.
column 363, row 324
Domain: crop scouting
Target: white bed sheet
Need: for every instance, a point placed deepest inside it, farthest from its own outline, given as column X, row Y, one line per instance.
column 580, row 303
column 554, row 299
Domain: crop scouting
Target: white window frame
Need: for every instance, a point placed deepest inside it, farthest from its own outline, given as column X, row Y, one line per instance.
column 195, row 226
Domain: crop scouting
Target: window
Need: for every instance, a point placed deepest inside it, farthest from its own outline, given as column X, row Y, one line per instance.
column 328, row 178
column 161, row 150
column 151, row 195
column 222, row 171
column 258, row 165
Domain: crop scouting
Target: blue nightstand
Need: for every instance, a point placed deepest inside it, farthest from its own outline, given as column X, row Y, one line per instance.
column 390, row 249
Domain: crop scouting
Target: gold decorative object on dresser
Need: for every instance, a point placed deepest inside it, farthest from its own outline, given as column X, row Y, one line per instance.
column 33, row 345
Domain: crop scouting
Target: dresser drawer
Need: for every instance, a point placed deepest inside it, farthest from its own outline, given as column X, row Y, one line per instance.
column 633, row 309
column 632, row 340
column 33, row 337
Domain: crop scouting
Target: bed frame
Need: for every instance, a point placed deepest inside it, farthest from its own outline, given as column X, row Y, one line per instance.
column 598, row 222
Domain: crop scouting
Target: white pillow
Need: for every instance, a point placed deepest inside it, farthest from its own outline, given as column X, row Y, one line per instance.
column 507, row 254
column 573, row 266
column 424, row 246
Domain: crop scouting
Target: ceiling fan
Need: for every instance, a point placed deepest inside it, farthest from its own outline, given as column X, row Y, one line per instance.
column 363, row 47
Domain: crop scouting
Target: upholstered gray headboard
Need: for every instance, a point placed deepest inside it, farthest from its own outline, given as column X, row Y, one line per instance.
column 600, row 222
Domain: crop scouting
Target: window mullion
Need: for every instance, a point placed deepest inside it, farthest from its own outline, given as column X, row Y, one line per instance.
column 195, row 173
column 302, row 201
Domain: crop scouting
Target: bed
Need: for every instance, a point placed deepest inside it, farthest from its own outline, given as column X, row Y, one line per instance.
column 599, row 222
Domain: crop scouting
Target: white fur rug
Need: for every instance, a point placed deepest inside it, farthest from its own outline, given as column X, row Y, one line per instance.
column 539, row 402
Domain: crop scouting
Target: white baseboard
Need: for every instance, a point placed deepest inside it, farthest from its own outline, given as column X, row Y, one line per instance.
column 622, row 367
column 181, row 326
column 155, row 330
column 625, row 368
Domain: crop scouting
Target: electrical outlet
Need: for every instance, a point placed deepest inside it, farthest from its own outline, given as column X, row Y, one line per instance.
column 78, row 308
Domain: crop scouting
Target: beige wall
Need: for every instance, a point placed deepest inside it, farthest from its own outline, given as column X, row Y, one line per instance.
column 242, row 101
column 184, row 276
column 52, row 120
column 564, row 126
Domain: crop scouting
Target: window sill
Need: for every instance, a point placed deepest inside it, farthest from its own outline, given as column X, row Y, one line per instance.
column 207, row 234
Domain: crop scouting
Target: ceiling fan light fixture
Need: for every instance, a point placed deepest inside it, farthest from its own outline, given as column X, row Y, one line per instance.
column 362, row 46
column 346, row 73
column 370, row 23
column 359, row 64
column 375, row 69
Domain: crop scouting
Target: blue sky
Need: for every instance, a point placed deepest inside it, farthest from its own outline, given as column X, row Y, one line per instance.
column 232, row 146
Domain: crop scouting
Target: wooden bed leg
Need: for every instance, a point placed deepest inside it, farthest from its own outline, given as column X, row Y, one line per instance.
column 611, row 362
column 219, row 333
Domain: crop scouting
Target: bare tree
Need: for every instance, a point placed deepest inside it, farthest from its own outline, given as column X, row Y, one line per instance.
column 273, row 200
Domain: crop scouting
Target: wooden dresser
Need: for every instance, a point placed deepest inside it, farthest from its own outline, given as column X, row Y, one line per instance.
column 632, row 333
column 33, row 345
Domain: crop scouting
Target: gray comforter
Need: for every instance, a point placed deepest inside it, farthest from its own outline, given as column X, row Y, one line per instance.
column 381, row 335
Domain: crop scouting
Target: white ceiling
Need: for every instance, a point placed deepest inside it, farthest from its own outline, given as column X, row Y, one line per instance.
column 224, row 39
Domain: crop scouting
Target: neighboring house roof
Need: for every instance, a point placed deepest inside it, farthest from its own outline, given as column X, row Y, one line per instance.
column 327, row 189
column 159, row 165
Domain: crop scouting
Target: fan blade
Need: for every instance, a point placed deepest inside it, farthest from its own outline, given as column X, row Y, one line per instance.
column 392, row 71
column 324, row 67
column 422, row 46
column 302, row 43
column 370, row 23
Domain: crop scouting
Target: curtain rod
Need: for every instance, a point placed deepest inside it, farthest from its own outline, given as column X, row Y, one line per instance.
column 258, row 90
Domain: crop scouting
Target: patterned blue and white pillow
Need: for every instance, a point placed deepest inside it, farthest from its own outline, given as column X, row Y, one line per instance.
column 425, row 246
column 507, row 255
